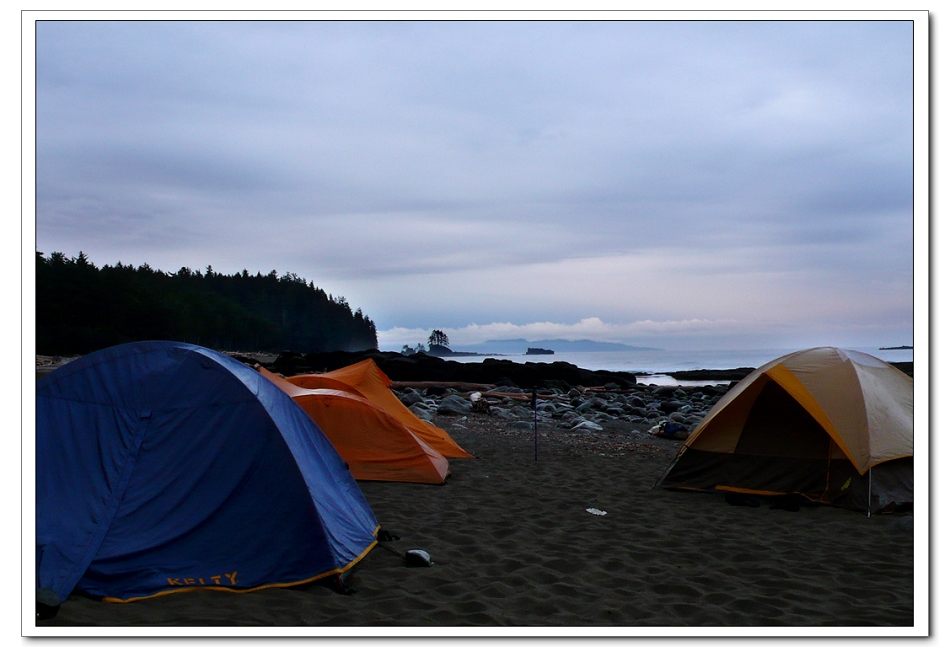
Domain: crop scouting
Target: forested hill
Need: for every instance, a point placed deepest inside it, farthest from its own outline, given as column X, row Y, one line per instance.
column 81, row 308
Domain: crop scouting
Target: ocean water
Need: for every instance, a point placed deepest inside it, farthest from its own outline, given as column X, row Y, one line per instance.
column 656, row 363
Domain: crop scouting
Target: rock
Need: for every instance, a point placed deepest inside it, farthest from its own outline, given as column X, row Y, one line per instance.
column 560, row 410
column 455, row 405
column 422, row 412
column 668, row 406
column 522, row 425
column 411, row 396
column 568, row 420
column 521, row 412
column 586, row 426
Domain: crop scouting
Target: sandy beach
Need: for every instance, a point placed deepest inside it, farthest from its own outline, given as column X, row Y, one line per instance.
column 513, row 545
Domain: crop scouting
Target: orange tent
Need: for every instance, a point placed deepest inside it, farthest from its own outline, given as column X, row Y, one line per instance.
column 374, row 444
column 365, row 378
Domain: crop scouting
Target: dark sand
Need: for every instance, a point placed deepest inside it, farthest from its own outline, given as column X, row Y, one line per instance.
column 513, row 545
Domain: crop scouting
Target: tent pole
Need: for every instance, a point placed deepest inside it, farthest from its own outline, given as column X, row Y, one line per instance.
column 667, row 471
column 869, row 491
column 534, row 405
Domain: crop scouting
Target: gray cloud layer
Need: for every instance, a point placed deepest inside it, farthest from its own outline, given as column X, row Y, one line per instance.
column 398, row 162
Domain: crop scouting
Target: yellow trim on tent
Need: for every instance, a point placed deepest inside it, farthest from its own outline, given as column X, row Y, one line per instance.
column 749, row 491
column 770, row 493
column 335, row 571
column 785, row 378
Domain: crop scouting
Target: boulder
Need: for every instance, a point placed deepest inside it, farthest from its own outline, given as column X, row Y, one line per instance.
column 411, row 396
column 668, row 406
column 421, row 411
column 455, row 405
column 665, row 392
column 522, row 412
column 586, row 426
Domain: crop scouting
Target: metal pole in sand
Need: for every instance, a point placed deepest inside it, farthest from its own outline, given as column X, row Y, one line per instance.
column 534, row 405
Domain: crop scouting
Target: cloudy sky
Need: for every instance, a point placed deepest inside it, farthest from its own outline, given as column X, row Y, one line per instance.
column 664, row 184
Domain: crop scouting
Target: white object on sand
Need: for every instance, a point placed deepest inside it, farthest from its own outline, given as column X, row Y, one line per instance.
column 596, row 512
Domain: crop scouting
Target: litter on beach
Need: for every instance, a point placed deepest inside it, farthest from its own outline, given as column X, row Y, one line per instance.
column 596, row 512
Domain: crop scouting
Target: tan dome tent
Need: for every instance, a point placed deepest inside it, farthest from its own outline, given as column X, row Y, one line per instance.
column 832, row 425
column 375, row 445
column 366, row 379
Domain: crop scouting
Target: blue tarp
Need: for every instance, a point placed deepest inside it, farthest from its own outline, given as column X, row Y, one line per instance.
column 163, row 466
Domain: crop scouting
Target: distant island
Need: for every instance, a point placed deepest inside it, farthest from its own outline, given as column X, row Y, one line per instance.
column 440, row 351
column 538, row 351
column 893, row 348
column 521, row 346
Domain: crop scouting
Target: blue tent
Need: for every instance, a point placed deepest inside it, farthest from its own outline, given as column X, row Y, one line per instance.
column 163, row 467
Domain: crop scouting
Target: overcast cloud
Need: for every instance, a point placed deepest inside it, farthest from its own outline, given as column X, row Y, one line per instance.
column 655, row 183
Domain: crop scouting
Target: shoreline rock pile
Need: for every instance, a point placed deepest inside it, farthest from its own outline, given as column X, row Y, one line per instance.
column 677, row 410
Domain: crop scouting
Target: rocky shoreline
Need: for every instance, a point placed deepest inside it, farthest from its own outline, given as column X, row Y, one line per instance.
column 664, row 411
column 423, row 367
column 569, row 399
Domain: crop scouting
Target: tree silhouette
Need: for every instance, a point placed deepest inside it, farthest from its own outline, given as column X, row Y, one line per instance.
column 438, row 339
column 82, row 308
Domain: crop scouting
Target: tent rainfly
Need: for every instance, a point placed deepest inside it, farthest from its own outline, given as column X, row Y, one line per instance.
column 365, row 378
column 832, row 425
column 374, row 445
column 165, row 467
